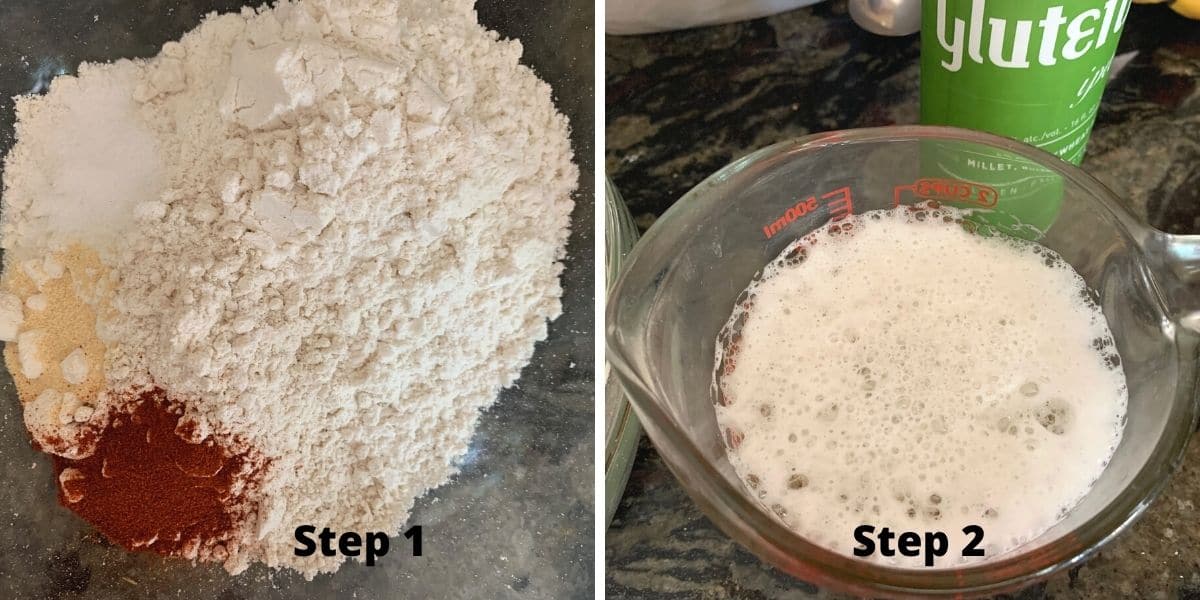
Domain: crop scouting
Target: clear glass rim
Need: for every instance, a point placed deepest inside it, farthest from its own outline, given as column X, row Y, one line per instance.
column 790, row 552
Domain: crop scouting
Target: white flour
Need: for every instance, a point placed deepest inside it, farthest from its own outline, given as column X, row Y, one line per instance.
column 354, row 246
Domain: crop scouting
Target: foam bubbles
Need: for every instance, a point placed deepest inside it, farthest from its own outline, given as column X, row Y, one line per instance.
column 919, row 377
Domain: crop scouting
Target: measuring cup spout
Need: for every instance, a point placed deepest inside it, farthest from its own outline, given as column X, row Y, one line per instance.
column 1175, row 260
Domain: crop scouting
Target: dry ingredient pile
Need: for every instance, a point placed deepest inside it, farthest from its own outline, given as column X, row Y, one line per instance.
column 271, row 276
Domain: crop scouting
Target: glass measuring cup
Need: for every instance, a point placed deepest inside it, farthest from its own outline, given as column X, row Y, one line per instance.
column 682, row 280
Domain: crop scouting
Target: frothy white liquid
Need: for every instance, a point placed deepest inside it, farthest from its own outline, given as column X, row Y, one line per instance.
column 906, row 373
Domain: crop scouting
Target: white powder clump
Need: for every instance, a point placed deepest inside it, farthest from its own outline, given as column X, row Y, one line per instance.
column 355, row 241
column 28, row 343
column 83, row 161
column 74, row 367
column 11, row 317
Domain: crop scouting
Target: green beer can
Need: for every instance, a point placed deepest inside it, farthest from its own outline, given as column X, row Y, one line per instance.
column 1029, row 70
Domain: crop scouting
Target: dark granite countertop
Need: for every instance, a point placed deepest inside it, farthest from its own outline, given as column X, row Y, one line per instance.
column 516, row 523
column 681, row 105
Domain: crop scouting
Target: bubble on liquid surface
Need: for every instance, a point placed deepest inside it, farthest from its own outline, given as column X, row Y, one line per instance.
column 1055, row 416
column 914, row 379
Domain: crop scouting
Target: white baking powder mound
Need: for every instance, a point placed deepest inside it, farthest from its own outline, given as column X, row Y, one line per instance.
column 84, row 160
column 332, row 228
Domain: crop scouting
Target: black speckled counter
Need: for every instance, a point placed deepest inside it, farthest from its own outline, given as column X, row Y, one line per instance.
column 516, row 523
column 681, row 105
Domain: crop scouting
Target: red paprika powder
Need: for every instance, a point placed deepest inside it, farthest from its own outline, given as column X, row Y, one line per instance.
column 148, row 486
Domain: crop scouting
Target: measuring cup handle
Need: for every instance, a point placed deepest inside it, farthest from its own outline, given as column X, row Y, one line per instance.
column 1178, row 256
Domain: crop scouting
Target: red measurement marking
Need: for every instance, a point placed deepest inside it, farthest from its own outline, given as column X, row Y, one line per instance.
column 722, row 399
column 948, row 190
column 733, row 438
column 839, row 202
column 789, row 216
column 729, row 364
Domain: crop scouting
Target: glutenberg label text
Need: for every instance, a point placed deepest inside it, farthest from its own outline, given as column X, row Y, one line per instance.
column 1059, row 36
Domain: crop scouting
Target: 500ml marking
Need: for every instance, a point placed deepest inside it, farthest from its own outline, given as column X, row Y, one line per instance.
column 910, row 543
column 351, row 543
column 839, row 201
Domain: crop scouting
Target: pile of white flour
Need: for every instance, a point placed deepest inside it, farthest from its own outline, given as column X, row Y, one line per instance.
column 334, row 227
